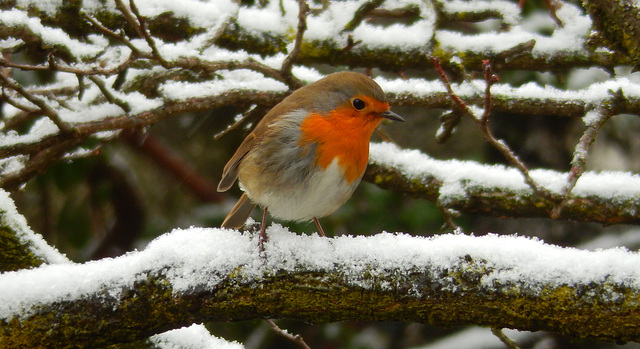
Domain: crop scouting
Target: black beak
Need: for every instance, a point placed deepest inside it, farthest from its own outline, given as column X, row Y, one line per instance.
column 391, row 116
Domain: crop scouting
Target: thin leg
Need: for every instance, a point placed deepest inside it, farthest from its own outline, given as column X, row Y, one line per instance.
column 320, row 230
column 263, row 233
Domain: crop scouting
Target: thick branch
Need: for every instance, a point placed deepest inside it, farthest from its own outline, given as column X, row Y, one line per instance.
column 391, row 58
column 618, row 24
column 21, row 247
column 217, row 275
column 51, row 148
column 489, row 190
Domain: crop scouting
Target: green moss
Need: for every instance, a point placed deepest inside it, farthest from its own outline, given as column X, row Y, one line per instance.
column 14, row 255
column 237, row 38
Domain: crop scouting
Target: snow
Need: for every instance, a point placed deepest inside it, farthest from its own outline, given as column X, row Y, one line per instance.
column 593, row 94
column 199, row 258
column 509, row 11
column 199, row 13
column 50, row 36
column 192, row 337
column 230, row 80
column 329, row 23
column 17, row 223
column 569, row 38
column 457, row 175
column 479, row 337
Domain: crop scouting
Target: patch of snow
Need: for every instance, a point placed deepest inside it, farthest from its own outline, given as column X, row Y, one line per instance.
column 195, row 336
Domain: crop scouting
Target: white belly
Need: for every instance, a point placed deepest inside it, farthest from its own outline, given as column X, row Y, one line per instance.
column 322, row 194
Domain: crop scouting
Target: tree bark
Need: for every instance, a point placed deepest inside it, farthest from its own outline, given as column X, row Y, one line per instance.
column 427, row 293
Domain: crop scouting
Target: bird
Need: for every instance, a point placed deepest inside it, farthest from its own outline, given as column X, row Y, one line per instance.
column 307, row 155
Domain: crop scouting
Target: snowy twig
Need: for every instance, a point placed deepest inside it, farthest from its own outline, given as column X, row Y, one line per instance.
column 108, row 32
column 594, row 119
column 38, row 163
column 295, row 338
column 59, row 144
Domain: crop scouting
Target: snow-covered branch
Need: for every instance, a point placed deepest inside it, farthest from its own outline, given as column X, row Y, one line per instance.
column 200, row 275
column 470, row 187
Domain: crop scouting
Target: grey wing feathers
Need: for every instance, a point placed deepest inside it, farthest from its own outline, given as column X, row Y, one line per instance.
column 239, row 213
column 230, row 172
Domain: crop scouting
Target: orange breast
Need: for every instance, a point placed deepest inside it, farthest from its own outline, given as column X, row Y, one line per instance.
column 343, row 134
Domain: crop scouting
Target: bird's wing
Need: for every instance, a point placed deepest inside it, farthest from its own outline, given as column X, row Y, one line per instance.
column 230, row 172
column 239, row 214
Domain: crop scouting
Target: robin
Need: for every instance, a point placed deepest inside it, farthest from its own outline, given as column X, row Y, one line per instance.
column 307, row 155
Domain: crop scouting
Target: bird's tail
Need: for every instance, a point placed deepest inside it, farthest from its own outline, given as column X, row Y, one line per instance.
column 239, row 213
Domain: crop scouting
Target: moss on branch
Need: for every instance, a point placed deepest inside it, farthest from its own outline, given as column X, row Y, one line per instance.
column 451, row 297
column 502, row 202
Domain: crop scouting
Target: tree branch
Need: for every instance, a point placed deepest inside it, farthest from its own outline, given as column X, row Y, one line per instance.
column 476, row 192
column 218, row 275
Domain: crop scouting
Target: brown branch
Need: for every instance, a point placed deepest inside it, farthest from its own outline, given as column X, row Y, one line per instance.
column 503, row 202
column 66, row 142
column 285, row 70
column 147, row 301
column 579, row 161
column 499, row 145
column 44, row 108
column 141, row 28
column 360, row 14
column 295, row 338
column 171, row 162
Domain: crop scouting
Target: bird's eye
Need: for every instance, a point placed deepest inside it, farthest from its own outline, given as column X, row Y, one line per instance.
column 358, row 104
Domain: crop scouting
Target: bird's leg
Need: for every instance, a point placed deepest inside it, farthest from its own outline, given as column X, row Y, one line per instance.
column 320, row 230
column 263, row 233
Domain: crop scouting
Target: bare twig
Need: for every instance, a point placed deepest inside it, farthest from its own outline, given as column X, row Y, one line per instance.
column 108, row 32
column 285, row 70
column 458, row 103
column 448, row 215
column 144, row 31
column 504, row 339
column 360, row 14
column 109, row 96
column 249, row 114
column 502, row 147
column 44, row 108
column 551, row 6
column 295, row 338
column 483, row 122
